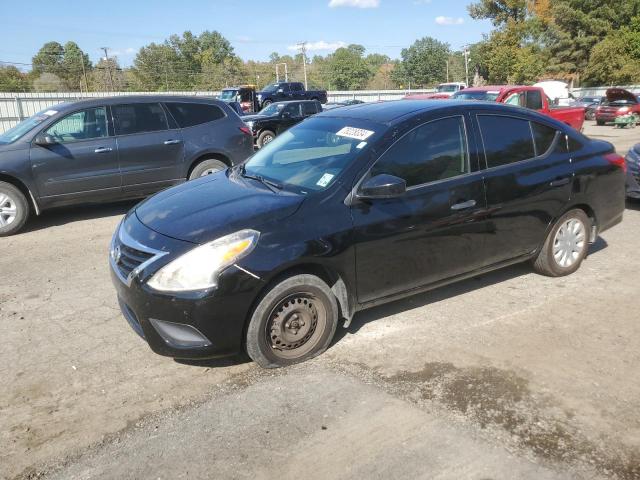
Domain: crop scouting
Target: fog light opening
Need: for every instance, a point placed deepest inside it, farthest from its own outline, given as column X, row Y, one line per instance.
column 180, row 335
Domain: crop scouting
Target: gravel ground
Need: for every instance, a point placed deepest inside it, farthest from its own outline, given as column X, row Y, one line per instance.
column 509, row 375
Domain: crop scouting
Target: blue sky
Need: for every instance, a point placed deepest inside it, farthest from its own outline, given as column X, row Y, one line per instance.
column 255, row 28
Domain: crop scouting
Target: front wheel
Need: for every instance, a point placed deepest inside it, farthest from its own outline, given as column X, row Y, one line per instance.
column 14, row 209
column 206, row 167
column 566, row 246
column 293, row 322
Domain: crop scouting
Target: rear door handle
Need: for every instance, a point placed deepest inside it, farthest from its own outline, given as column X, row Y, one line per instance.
column 464, row 205
column 172, row 142
column 560, row 182
column 103, row 150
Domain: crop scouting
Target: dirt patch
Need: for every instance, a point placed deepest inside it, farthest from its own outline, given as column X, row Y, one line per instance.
column 495, row 398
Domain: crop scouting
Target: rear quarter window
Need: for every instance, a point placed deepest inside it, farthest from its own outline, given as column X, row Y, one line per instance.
column 191, row 114
column 506, row 139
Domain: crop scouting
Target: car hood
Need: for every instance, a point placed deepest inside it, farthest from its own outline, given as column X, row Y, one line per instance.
column 205, row 209
column 255, row 118
column 617, row 94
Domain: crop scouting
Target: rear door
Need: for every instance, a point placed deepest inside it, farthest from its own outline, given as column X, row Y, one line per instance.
column 436, row 229
column 83, row 163
column 297, row 91
column 150, row 150
column 528, row 177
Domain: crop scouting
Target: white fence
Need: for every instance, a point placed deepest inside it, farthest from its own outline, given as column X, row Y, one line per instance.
column 15, row 107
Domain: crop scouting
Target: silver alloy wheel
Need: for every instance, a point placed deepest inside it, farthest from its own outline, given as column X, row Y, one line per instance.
column 8, row 210
column 266, row 139
column 569, row 242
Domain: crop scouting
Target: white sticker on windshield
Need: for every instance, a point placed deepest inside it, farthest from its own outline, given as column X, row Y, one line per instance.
column 50, row 112
column 325, row 180
column 361, row 145
column 357, row 133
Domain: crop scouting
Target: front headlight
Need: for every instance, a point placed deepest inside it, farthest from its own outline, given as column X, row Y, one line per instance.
column 198, row 269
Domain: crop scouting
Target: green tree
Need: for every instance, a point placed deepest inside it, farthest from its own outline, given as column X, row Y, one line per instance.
column 13, row 80
column 347, row 69
column 424, row 63
column 76, row 67
column 49, row 59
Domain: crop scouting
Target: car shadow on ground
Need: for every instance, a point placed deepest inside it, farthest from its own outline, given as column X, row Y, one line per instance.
column 443, row 293
column 65, row 215
column 633, row 204
column 238, row 359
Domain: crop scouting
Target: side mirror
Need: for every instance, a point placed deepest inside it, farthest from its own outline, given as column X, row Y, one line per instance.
column 382, row 186
column 45, row 140
column 286, row 114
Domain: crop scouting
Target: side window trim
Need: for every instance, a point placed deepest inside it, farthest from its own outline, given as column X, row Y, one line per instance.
column 433, row 182
column 110, row 130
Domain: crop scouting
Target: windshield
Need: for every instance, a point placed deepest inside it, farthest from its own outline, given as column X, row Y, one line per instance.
column 482, row 96
column 271, row 88
column 312, row 155
column 227, row 95
column 272, row 109
column 447, row 88
column 25, row 126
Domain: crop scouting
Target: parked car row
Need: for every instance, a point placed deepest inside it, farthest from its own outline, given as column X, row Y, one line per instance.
column 352, row 208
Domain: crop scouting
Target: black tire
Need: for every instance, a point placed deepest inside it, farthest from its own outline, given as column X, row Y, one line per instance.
column 590, row 115
column 294, row 321
column 600, row 123
column 265, row 137
column 207, row 167
column 12, row 200
column 546, row 262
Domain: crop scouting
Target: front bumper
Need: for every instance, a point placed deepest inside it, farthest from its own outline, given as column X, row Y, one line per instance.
column 185, row 325
column 633, row 175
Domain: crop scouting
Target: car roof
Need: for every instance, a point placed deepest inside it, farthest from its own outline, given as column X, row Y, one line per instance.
column 395, row 111
column 120, row 99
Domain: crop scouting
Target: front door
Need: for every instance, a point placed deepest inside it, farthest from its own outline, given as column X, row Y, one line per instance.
column 289, row 116
column 83, row 161
column 149, row 151
column 528, row 180
column 436, row 230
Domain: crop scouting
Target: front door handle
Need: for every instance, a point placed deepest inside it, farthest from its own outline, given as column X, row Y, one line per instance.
column 560, row 182
column 464, row 205
column 172, row 142
column 103, row 150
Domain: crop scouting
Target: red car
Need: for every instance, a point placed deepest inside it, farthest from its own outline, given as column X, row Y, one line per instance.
column 533, row 98
column 619, row 102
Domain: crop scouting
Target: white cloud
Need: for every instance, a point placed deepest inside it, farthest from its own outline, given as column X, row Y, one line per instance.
column 320, row 45
column 122, row 53
column 421, row 2
column 441, row 20
column 354, row 3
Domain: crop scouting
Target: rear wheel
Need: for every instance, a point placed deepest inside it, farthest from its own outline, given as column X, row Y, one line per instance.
column 14, row 209
column 207, row 167
column 566, row 246
column 600, row 122
column 266, row 103
column 294, row 321
column 265, row 137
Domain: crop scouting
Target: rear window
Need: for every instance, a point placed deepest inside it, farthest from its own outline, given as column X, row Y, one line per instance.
column 309, row 108
column 190, row 114
column 506, row 139
column 543, row 136
column 534, row 100
column 139, row 118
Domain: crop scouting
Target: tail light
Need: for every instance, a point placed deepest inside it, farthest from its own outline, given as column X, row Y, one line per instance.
column 617, row 160
column 246, row 130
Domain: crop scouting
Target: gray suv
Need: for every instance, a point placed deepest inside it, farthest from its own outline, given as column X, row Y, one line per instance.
column 112, row 149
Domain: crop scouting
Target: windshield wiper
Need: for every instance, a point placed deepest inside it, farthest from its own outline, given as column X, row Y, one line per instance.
column 271, row 185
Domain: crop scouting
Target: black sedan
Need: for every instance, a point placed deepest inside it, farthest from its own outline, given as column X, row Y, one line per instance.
column 278, row 117
column 353, row 208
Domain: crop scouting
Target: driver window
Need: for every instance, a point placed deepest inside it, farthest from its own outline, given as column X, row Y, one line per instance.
column 514, row 99
column 434, row 151
column 82, row 125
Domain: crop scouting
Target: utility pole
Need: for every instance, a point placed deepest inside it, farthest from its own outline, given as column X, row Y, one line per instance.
column 447, row 69
column 466, row 63
column 106, row 57
column 303, row 49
